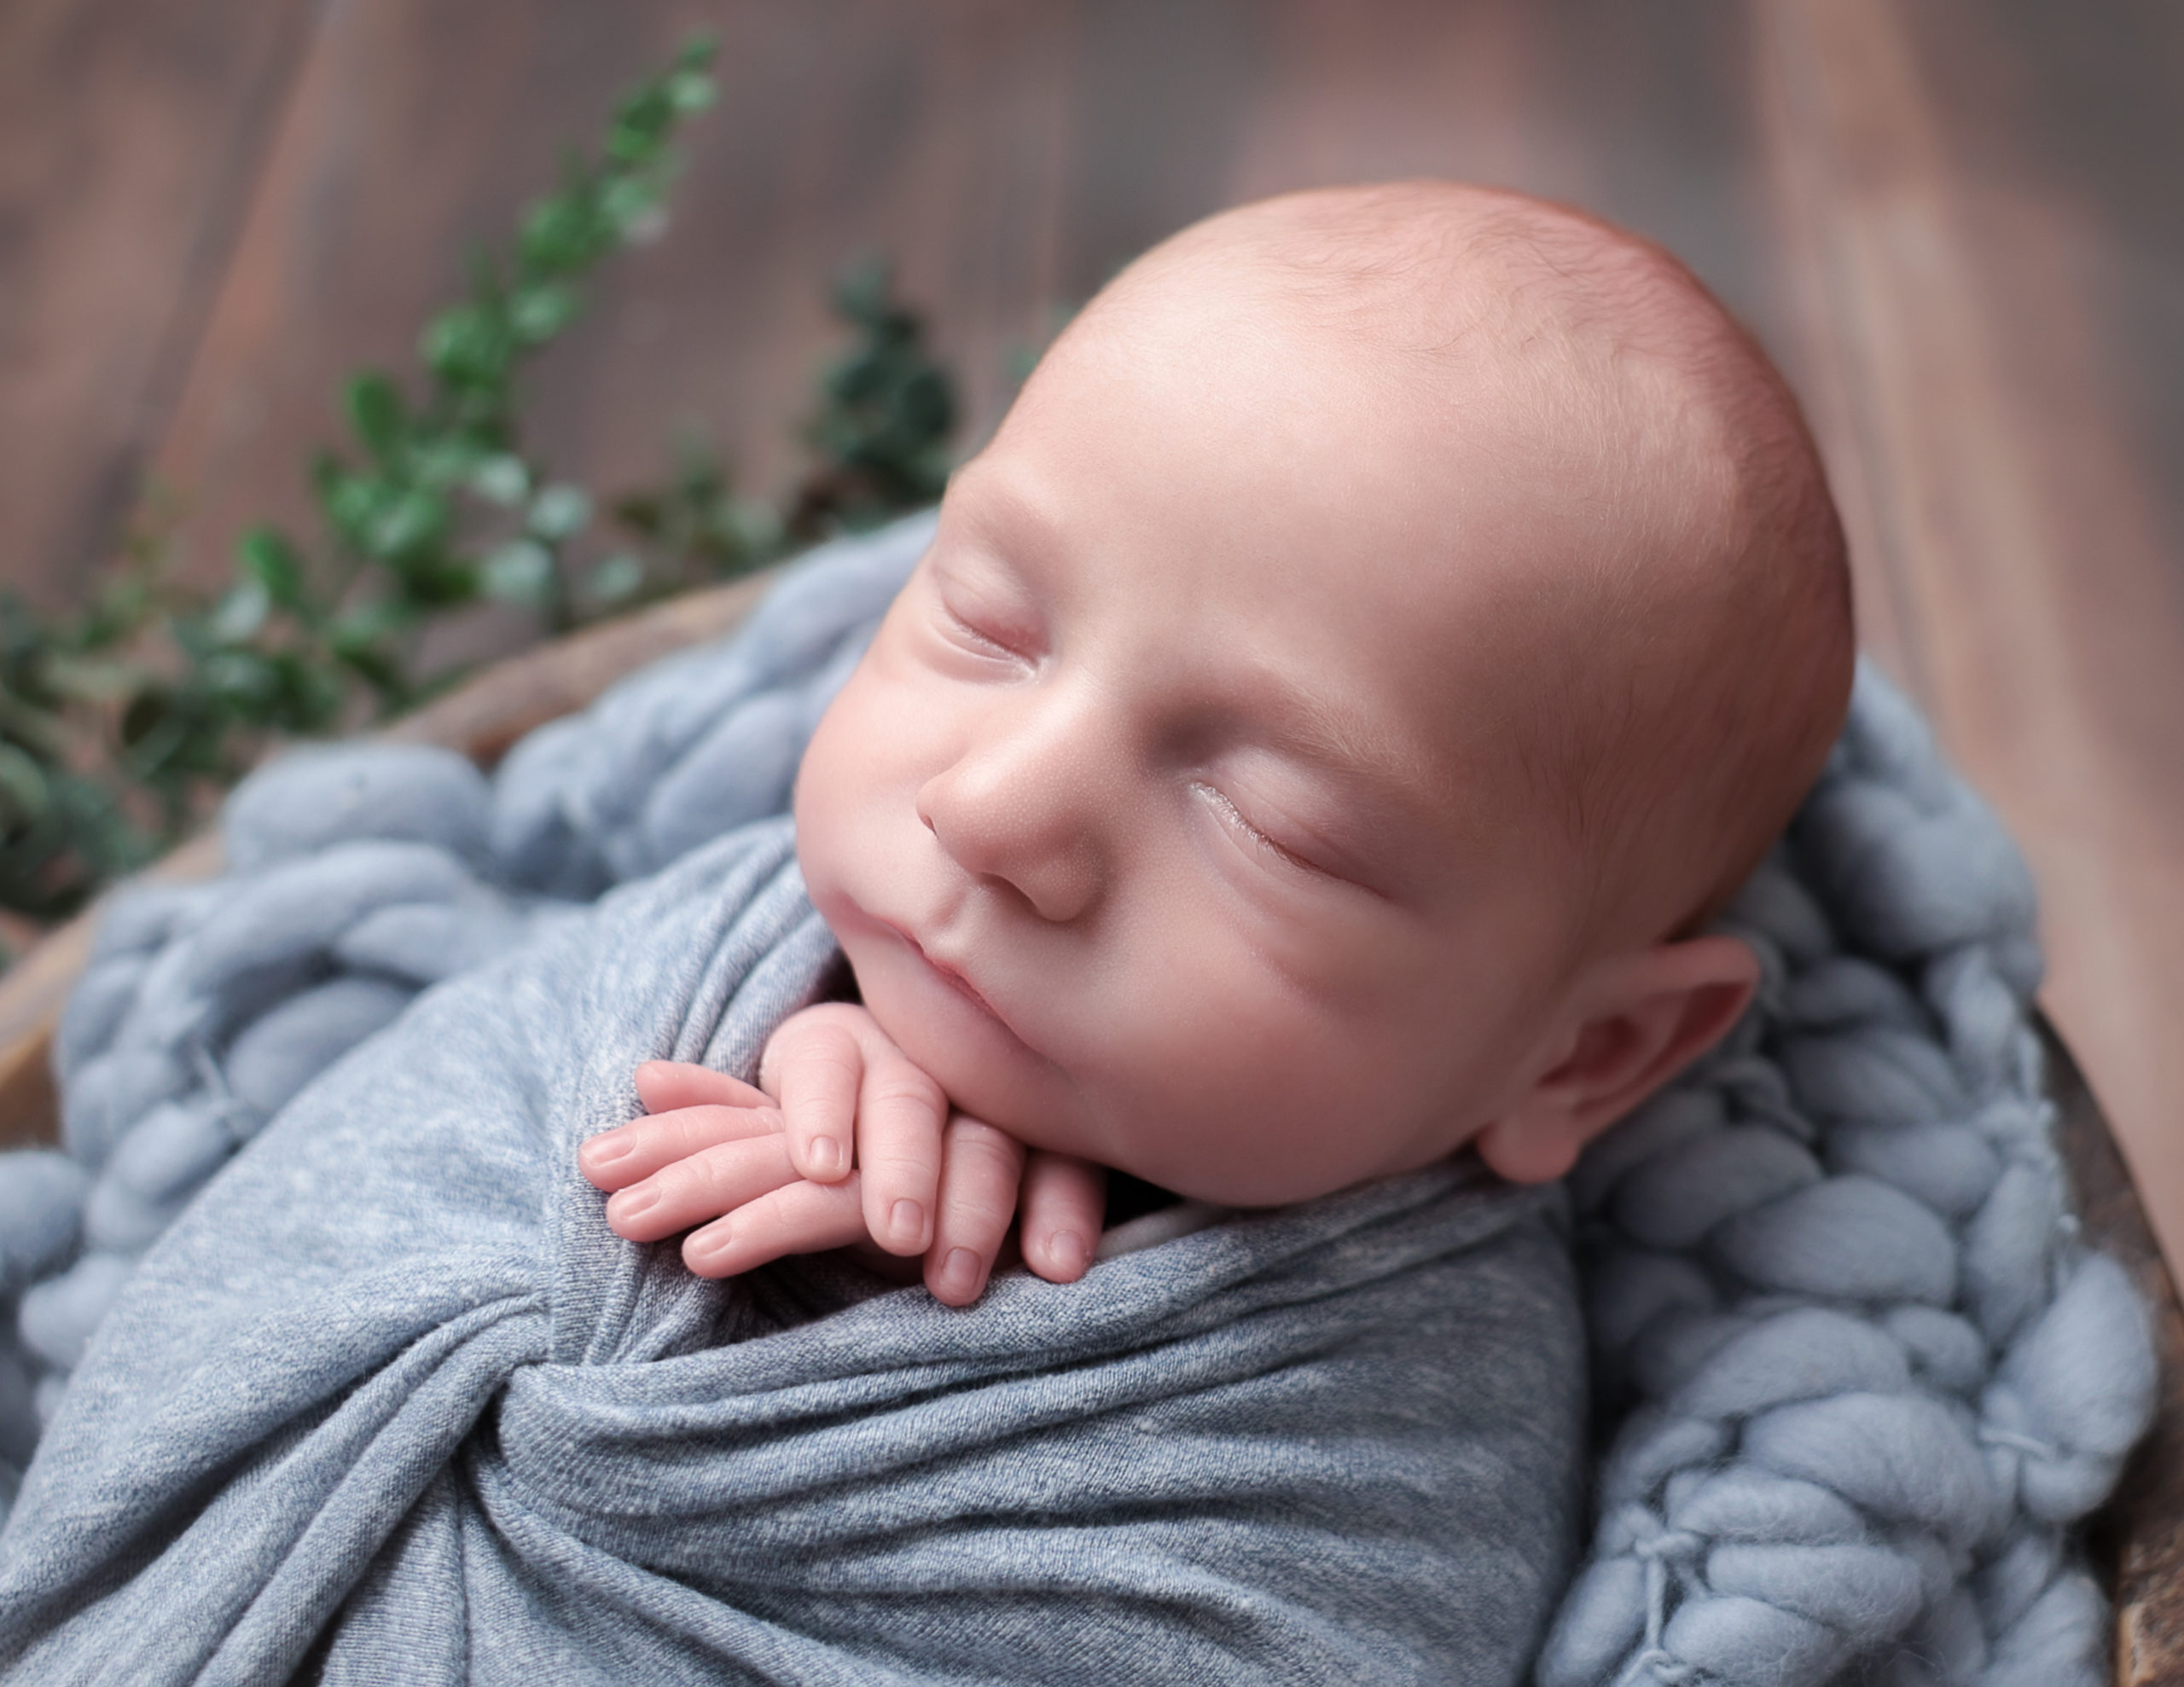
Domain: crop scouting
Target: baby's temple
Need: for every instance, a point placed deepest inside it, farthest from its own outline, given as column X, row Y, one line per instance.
column 1324, row 1030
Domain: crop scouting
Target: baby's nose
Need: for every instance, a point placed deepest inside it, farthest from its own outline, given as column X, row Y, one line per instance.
column 1022, row 811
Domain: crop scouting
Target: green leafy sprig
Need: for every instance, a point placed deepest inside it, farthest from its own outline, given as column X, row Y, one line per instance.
column 121, row 722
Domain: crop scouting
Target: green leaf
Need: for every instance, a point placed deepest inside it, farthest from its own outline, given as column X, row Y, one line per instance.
column 363, row 640
column 616, row 580
column 698, row 52
column 305, row 698
column 24, row 795
column 436, row 580
column 504, row 479
column 273, row 563
column 646, row 514
column 520, row 572
column 926, row 403
column 641, row 125
column 469, row 346
column 381, row 669
column 240, row 612
column 351, row 501
column 559, row 510
column 95, row 679
column 407, row 526
column 242, row 679
column 144, row 715
column 542, row 310
column 445, row 460
column 376, row 412
column 753, row 532
column 562, row 233
column 632, row 205
column 365, row 626
column 691, row 92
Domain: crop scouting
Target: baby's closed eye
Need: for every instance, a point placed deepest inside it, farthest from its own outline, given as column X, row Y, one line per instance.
column 1261, row 843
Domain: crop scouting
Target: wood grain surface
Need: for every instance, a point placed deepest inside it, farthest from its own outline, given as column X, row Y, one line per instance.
column 2012, row 507
column 131, row 137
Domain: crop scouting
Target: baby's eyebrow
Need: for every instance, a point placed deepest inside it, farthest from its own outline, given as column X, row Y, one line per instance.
column 995, row 510
column 1333, row 741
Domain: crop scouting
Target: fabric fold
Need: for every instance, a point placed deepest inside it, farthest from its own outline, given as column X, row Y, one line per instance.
column 391, row 1382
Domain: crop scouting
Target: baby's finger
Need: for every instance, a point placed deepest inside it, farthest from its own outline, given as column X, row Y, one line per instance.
column 701, row 1186
column 978, row 1174
column 817, row 1065
column 616, row 1159
column 665, row 1085
column 801, row 1217
column 900, row 1116
column 1064, row 1204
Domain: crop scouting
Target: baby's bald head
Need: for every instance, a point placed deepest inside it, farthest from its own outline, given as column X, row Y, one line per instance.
column 1673, row 657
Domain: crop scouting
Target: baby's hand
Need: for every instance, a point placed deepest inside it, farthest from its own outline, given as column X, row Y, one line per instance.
column 846, row 1139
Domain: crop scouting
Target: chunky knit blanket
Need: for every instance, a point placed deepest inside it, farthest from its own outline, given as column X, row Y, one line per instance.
column 1855, row 1378
column 1862, row 1377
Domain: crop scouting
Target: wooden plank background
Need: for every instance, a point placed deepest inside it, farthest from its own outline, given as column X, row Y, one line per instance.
column 1956, row 222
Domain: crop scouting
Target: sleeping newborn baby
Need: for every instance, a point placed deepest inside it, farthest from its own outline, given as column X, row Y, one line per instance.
column 1388, row 624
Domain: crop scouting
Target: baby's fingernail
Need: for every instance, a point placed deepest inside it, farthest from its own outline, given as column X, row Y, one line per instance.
column 907, row 1220
column 708, row 1243
column 1067, row 1253
column 959, row 1273
column 707, row 1248
column 602, row 1152
column 632, row 1203
column 826, row 1154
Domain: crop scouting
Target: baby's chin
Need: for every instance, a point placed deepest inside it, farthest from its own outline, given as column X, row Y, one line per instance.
column 986, row 1069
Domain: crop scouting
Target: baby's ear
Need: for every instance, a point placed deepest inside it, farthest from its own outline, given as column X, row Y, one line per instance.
column 1636, row 1021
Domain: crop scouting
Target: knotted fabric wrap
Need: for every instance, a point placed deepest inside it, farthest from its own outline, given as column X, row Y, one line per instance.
column 1855, row 1379
column 390, row 1377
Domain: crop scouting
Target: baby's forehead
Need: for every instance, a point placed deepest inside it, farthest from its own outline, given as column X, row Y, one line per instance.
column 1510, row 400
column 1423, row 282
column 1431, row 275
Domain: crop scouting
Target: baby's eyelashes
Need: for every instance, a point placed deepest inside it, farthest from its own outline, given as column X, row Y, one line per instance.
column 977, row 639
column 1258, row 841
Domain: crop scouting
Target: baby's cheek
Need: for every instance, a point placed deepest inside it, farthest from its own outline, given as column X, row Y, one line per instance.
column 1212, row 1064
column 846, row 835
column 1247, row 1087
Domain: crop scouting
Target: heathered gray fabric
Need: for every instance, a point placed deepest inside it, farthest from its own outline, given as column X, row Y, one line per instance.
column 390, row 1377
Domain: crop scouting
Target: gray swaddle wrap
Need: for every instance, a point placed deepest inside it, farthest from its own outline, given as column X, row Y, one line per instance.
column 390, row 1372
